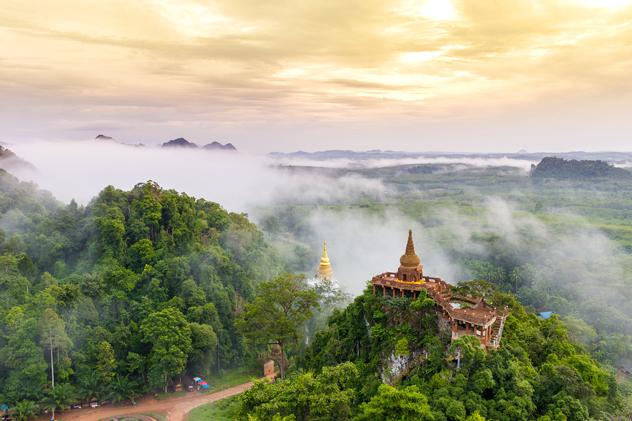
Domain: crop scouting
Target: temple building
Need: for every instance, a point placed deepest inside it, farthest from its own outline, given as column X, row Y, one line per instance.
column 462, row 315
column 325, row 272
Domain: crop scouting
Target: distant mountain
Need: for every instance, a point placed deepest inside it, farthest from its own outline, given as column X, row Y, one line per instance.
column 103, row 137
column 552, row 167
column 619, row 158
column 179, row 143
column 216, row 146
column 10, row 161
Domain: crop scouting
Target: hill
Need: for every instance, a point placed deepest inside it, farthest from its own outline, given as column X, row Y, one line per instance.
column 179, row 143
column 10, row 161
column 383, row 358
column 129, row 293
column 216, row 146
column 552, row 167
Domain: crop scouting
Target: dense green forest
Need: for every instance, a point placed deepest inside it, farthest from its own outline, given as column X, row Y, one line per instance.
column 384, row 358
column 123, row 296
column 551, row 167
column 139, row 290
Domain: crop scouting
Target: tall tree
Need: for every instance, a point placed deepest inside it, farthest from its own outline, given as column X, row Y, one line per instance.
column 280, row 308
column 169, row 334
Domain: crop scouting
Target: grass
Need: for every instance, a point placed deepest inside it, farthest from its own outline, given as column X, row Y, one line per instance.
column 162, row 395
column 230, row 378
column 224, row 410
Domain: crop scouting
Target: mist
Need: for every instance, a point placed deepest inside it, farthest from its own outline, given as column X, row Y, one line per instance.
column 581, row 261
column 362, row 163
column 237, row 181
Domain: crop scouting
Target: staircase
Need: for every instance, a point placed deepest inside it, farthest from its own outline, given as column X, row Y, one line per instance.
column 497, row 331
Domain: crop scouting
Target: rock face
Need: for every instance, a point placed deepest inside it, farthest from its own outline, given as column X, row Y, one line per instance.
column 216, row 146
column 552, row 167
column 179, row 143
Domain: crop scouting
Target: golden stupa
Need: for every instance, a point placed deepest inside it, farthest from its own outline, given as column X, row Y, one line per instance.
column 410, row 258
column 325, row 271
column 410, row 269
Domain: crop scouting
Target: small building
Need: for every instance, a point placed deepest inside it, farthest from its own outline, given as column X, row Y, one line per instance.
column 462, row 315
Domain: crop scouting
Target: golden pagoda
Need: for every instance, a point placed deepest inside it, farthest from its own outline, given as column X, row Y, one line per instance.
column 410, row 269
column 324, row 269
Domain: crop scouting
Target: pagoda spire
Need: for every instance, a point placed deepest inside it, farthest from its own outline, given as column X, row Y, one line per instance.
column 324, row 269
column 410, row 258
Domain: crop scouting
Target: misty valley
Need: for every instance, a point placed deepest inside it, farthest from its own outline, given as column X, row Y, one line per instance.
column 511, row 300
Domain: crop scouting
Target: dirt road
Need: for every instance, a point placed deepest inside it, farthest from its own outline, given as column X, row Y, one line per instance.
column 174, row 408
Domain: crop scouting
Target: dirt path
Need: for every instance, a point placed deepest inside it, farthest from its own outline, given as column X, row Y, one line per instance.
column 174, row 408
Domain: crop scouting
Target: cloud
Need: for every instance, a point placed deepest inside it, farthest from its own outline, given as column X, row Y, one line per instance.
column 362, row 163
column 215, row 66
column 239, row 182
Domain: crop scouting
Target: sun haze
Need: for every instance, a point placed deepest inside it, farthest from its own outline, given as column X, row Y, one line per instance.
column 406, row 74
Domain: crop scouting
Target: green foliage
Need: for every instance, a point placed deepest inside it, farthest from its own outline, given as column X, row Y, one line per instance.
column 327, row 396
column 281, row 307
column 552, row 167
column 391, row 404
column 537, row 372
column 169, row 334
column 128, row 293
column 223, row 410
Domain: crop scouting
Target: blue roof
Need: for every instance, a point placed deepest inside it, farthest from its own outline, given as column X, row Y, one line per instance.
column 546, row 314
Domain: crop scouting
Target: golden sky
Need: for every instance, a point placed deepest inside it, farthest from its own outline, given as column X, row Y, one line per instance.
column 305, row 74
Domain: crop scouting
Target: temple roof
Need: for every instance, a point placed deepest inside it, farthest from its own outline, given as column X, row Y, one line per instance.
column 410, row 258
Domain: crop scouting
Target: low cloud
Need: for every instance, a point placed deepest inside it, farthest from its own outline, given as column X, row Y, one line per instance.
column 350, row 163
column 577, row 259
column 239, row 182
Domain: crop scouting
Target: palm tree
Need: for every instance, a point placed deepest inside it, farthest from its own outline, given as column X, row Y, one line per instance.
column 89, row 385
column 25, row 410
column 122, row 389
column 61, row 397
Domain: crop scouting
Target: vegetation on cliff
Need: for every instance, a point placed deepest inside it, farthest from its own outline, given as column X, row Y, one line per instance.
column 391, row 362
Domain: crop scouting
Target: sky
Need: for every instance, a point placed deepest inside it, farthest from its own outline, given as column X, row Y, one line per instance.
column 417, row 75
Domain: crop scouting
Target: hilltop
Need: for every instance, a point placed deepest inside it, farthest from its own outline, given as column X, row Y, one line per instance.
column 216, row 146
column 10, row 161
column 179, row 143
column 552, row 167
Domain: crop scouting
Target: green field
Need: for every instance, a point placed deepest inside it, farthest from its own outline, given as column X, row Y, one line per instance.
column 224, row 410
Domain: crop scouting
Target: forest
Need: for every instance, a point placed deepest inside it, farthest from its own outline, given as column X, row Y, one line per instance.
column 140, row 290
column 121, row 297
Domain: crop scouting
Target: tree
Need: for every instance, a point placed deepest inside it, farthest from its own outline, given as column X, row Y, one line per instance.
column 54, row 337
column 204, row 343
column 407, row 403
column 62, row 396
column 169, row 334
column 122, row 389
column 280, row 308
column 326, row 396
column 106, row 363
column 25, row 410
